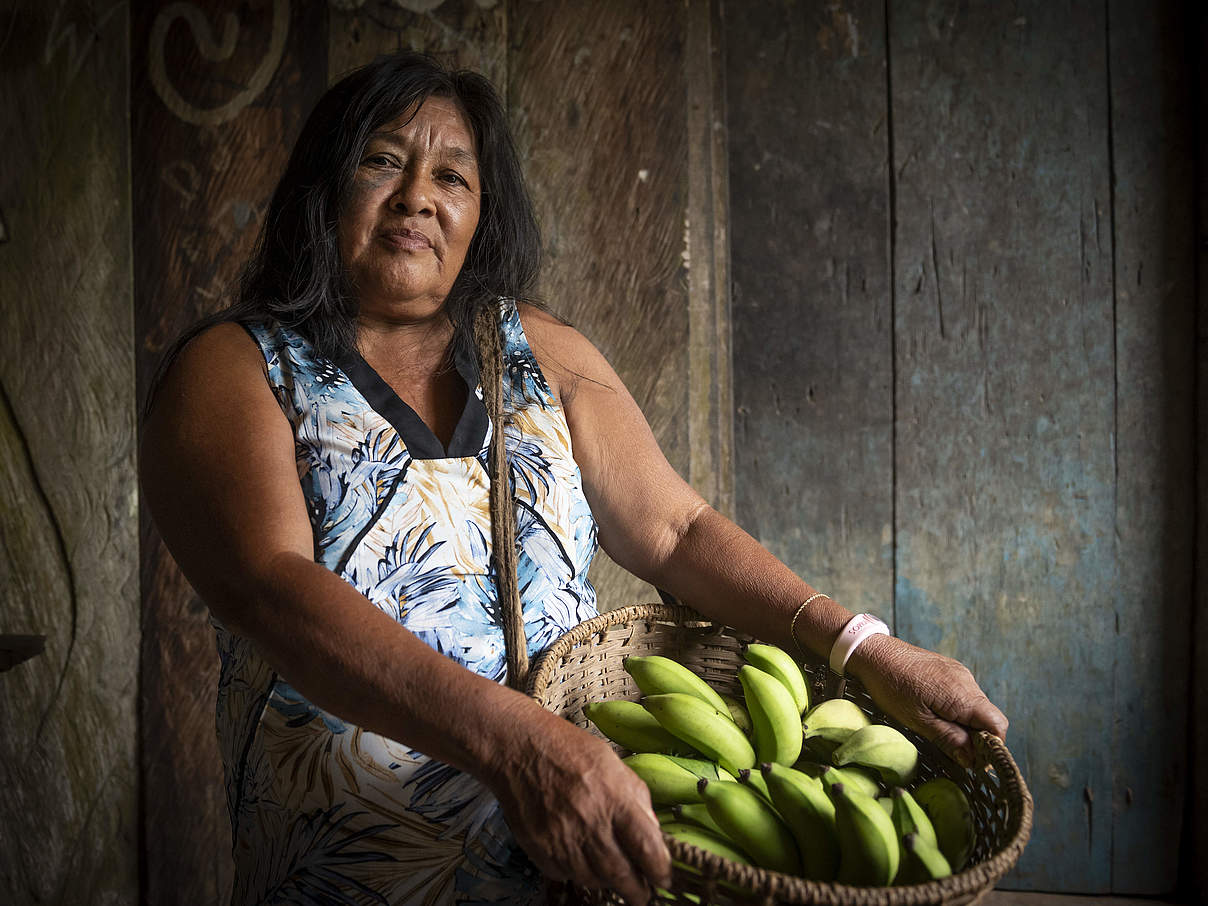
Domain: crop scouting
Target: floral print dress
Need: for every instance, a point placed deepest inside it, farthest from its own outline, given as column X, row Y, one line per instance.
column 323, row 811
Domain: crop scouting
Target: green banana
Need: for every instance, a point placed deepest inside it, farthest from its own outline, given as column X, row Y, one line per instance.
column 696, row 813
column 705, row 839
column 883, row 749
column 868, row 846
column 886, row 802
column 656, row 675
column 668, row 896
column 738, row 713
column 704, row 728
column 667, row 781
column 701, row 768
column 828, row 724
column 774, row 715
column 808, row 811
column 921, row 862
column 909, row 818
column 667, row 815
column 630, row 725
column 948, row 808
column 780, row 664
column 754, row 779
column 752, row 824
column 853, row 777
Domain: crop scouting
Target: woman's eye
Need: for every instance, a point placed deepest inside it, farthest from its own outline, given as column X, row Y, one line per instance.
column 453, row 179
column 379, row 160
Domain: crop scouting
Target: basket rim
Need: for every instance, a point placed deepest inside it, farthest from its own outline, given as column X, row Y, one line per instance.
column 991, row 752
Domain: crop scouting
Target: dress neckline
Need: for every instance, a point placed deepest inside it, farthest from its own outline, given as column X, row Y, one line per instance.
column 421, row 442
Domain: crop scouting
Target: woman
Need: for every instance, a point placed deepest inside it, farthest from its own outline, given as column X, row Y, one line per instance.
column 318, row 459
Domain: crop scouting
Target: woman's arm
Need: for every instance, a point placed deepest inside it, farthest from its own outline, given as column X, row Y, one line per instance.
column 656, row 526
column 218, row 472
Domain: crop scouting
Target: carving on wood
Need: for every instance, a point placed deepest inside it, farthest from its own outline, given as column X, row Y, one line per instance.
column 57, row 36
column 214, row 52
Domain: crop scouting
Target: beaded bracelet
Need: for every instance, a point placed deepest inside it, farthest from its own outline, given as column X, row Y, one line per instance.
column 793, row 622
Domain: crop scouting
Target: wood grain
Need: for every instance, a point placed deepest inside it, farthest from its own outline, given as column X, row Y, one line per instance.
column 1005, row 476
column 596, row 94
column 207, row 152
column 68, row 567
column 1194, row 874
column 710, row 373
column 1153, row 238
column 465, row 34
column 806, row 115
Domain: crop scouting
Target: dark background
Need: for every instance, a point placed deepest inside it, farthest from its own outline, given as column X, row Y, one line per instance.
column 907, row 288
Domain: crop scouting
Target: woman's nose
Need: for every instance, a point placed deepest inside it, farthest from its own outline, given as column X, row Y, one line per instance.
column 413, row 195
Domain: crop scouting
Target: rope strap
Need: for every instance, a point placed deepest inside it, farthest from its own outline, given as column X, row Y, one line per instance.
column 489, row 346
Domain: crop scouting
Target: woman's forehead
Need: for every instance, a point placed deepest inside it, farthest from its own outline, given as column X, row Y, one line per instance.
column 437, row 120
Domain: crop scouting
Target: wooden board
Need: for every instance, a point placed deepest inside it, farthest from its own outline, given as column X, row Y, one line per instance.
column 1004, row 417
column 68, row 555
column 1195, row 868
column 806, row 116
column 1154, row 228
column 212, row 131
column 467, row 34
column 710, row 372
column 596, row 94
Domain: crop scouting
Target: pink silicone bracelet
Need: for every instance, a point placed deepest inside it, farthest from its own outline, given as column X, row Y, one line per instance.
column 858, row 628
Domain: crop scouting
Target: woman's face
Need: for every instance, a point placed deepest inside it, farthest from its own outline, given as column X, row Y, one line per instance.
column 408, row 219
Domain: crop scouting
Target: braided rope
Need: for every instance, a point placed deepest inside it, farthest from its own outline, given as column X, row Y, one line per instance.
column 489, row 346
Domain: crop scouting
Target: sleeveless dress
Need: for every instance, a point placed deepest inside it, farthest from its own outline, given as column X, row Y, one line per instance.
column 323, row 811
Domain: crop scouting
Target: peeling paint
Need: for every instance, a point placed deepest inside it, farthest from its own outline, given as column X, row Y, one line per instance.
column 842, row 31
column 1059, row 774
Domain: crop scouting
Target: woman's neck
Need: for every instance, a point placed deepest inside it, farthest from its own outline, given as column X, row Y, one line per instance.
column 422, row 345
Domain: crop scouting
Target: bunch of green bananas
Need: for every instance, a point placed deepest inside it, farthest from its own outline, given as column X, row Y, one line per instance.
column 829, row 799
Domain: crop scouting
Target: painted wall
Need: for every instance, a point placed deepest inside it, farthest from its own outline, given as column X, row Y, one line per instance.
column 907, row 288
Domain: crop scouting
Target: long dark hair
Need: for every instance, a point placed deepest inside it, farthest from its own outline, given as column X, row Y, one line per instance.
column 294, row 275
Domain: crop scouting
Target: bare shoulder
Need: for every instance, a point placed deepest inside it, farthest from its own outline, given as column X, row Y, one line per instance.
column 220, row 358
column 222, row 346
column 219, row 372
column 567, row 358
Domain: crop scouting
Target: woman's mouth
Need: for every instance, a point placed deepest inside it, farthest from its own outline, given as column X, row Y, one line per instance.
column 406, row 239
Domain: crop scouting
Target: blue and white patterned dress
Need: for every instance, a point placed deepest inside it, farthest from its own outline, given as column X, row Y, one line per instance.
column 321, row 810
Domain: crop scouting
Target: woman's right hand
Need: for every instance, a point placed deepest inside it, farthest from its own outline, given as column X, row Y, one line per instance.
column 577, row 810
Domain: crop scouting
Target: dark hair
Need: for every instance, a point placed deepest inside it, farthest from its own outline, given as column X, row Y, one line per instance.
column 294, row 275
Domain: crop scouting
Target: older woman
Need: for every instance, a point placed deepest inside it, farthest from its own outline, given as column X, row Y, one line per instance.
column 370, row 461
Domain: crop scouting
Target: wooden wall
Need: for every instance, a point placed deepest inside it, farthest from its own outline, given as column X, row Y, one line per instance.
column 68, row 504
column 971, row 223
column 906, row 287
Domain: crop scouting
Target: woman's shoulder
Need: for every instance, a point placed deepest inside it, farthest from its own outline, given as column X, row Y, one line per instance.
column 566, row 357
column 218, row 348
column 221, row 359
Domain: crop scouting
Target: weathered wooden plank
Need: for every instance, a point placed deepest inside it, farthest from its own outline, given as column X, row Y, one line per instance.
column 1005, row 510
column 596, row 93
column 806, row 107
column 1153, row 230
column 1195, row 867
column 469, row 34
column 211, row 134
column 709, row 379
column 68, row 567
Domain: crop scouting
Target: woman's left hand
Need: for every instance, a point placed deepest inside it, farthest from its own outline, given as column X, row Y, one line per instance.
column 934, row 695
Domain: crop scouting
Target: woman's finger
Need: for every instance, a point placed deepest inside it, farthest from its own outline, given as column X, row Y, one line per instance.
column 643, row 843
column 615, row 871
column 953, row 739
column 987, row 716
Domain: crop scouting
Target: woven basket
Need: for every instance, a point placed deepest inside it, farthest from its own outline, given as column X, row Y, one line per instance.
column 584, row 665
